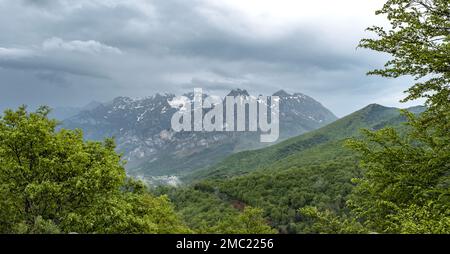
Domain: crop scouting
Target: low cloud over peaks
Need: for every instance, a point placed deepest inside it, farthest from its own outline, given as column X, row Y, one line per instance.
column 100, row 49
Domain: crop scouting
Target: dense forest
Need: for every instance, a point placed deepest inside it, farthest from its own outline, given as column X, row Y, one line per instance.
column 377, row 170
column 55, row 182
column 314, row 172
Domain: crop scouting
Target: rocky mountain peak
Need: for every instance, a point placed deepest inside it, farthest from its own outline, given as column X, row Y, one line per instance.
column 142, row 128
column 282, row 94
column 238, row 92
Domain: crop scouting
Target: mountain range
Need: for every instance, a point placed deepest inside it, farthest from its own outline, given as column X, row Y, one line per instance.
column 142, row 130
column 221, row 173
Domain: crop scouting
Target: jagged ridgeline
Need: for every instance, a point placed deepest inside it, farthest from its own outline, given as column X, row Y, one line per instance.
column 142, row 129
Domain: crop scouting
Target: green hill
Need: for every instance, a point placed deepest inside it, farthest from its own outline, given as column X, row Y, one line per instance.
column 313, row 169
column 314, row 147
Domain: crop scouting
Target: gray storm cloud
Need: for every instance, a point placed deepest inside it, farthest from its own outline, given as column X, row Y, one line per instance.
column 67, row 53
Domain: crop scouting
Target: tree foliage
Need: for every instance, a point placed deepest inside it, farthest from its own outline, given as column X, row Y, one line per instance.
column 207, row 213
column 406, row 185
column 55, row 182
column 418, row 40
column 328, row 222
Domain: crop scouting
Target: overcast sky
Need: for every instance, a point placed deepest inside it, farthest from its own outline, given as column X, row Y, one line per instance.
column 70, row 52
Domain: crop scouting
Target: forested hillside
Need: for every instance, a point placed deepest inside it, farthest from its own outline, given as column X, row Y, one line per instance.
column 315, row 147
column 379, row 170
column 314, row 169
column 55, row 182
column 401, row 183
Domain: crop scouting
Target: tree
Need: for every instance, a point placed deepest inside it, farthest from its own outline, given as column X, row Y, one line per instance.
column 406, row 182
column 327, row 222
column 405, row 188
column 53, row 181
column 418, row 41
column 250, row 221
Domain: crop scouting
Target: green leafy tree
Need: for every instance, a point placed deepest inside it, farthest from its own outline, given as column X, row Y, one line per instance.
column 207, row 213
column 418, row 40
column 250, row 221
column 55, row 182
column 327, row 222
column 405, row 188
